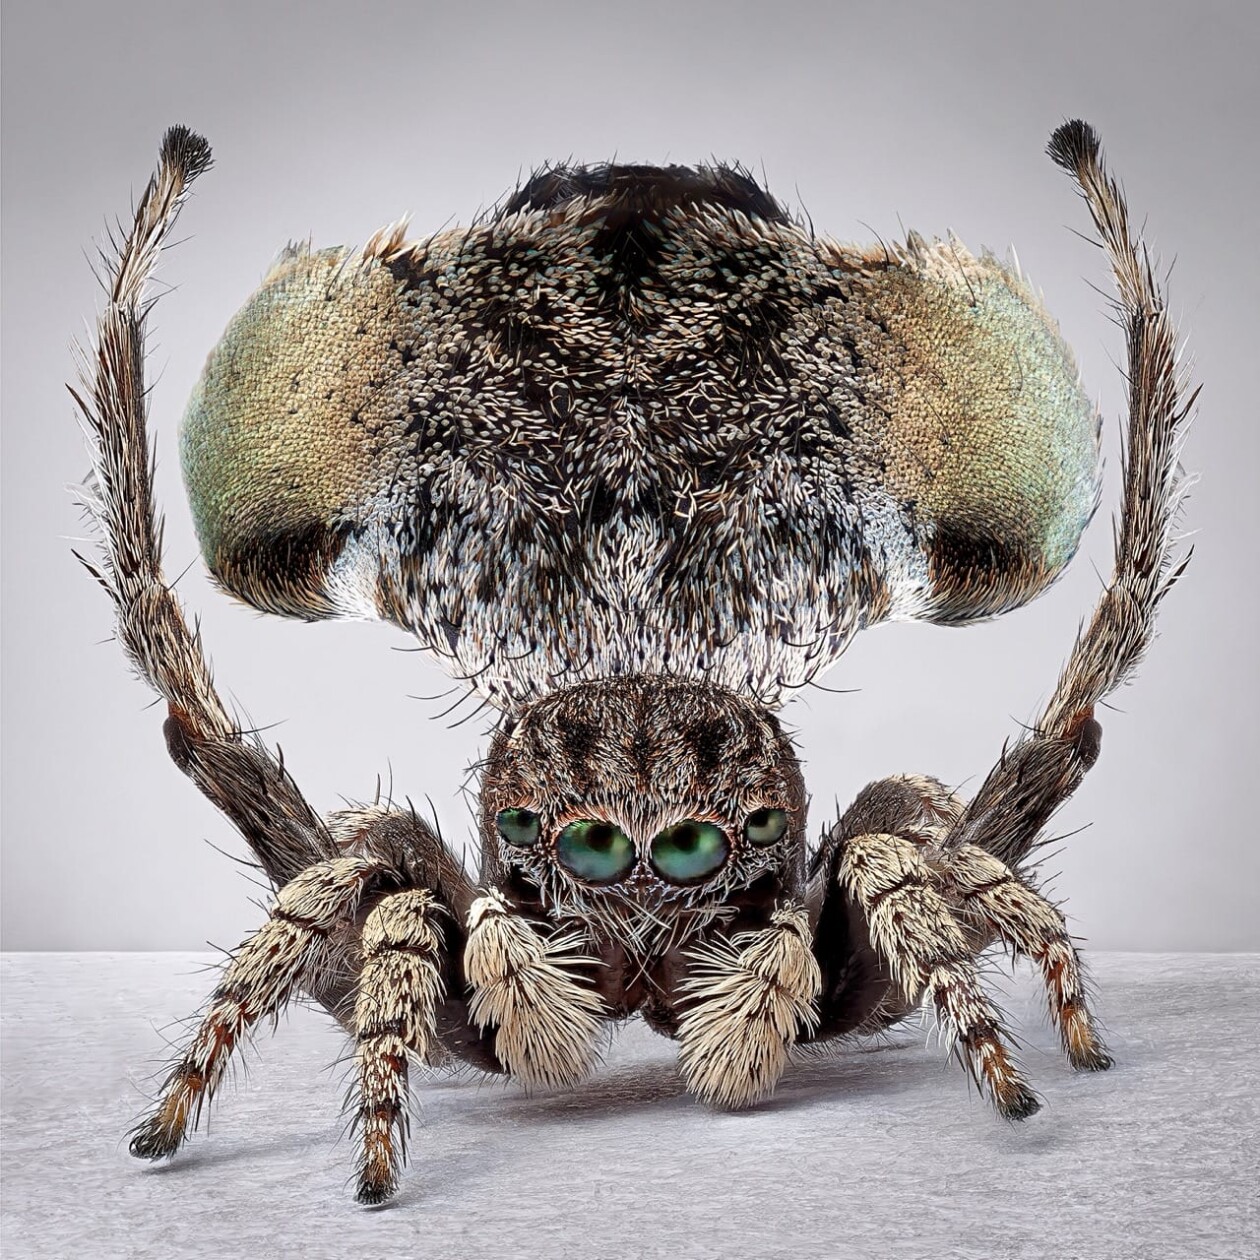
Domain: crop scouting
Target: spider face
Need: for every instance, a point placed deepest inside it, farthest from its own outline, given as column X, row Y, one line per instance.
column 647, row 790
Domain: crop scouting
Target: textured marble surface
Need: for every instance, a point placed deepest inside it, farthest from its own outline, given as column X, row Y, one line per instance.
column 876, row 1151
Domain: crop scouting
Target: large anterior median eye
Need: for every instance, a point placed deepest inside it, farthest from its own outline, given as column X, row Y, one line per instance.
column 765, row 826
column 519, row 827
column 595, row 851
column 689, row 851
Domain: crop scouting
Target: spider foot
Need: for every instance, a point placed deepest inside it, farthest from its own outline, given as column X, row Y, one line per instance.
column 991, row 1063
column 1084, row 1048
column 376, row 1189
column 1018, row 1104
column 1090, row 1058
column 156, row 1138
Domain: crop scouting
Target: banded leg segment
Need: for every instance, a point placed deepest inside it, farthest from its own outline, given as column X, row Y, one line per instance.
column 257, row 983
column 913, row 930
column 399, row 991
column 753, row 994
column 996, row 901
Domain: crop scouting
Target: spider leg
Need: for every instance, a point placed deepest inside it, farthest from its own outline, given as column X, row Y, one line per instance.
column 395, row 1014
column 913, row 930
column 398, row 840
column 1039, row 772
column 258, row 982
column 857, row 994
column 752, row 994
column 237, row 773
column 998, row 902
column 526, row 987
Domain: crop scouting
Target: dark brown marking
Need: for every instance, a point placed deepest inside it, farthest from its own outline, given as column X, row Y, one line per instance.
column 649, row 189
column 981, row 889
column 906, row 882
column 1085, row 733
column 181, row 739
column 283, row 571
column 976, row 572
column 297, row 920
column 402, row 947
column 386, row 1028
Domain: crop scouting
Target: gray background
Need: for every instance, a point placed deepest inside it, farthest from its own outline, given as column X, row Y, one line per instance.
column 329, row 119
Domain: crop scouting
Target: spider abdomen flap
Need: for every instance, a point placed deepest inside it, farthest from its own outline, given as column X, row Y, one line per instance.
column 639, row 421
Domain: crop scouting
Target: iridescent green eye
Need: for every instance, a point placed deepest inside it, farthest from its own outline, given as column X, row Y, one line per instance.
column 519, row 827
column 689, row 851
column 765, row 826
column 595, row 851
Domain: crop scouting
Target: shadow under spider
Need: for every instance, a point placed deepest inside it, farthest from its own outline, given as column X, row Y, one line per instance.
column 820, row 1073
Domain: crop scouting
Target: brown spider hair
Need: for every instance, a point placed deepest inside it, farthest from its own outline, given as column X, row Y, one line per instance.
column 644, row 753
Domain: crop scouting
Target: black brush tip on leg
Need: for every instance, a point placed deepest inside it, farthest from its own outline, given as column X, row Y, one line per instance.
column 374, row 1193
column 152, row 1140
column 1095, row 1059
column 1074, row 145
column 185, row 150
column 1020, row 1106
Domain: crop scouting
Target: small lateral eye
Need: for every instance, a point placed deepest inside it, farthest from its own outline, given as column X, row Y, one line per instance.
column 765, row 826
column 518, row 827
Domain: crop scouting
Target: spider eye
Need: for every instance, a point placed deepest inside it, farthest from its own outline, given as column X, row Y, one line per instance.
column 765, row 826
column 519, row 827
column 595, row 851
column 689, row 851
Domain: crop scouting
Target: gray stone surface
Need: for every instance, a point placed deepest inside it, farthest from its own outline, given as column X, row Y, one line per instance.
column 876, row 1151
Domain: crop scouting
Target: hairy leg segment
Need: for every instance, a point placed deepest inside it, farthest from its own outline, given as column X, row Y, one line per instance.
column 383, row 953
column 995, row 903
column 235, row 770
column 394, row 1017
column 258, row 983
column 910, row 917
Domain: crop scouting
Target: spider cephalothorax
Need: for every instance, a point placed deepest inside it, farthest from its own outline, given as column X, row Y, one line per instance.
column 634, row 457
column 642, row 804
